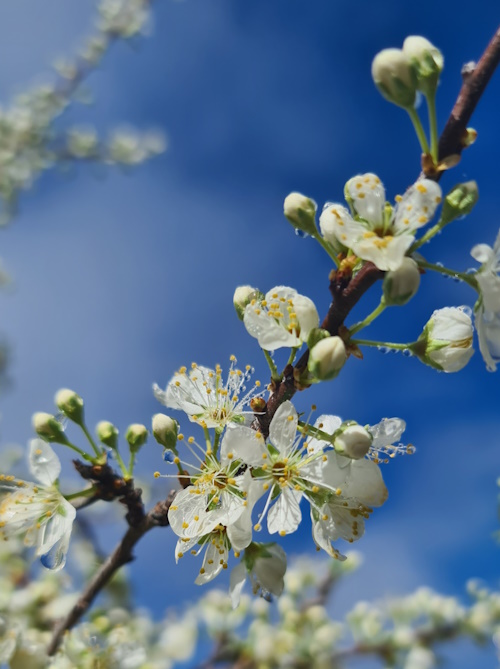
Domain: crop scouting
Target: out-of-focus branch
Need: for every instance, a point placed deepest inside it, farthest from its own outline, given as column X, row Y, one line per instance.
column 122, row 555
column 346, row 293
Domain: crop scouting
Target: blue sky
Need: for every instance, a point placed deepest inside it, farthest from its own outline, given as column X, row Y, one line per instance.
column 120, row 280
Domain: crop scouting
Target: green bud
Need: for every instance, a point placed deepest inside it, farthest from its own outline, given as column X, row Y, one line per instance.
column 107, row 434
column 165, row 430
column 460, row 201
column 395, row 77
column 47, row 427
column 301, row 212
column 71, row 404
column 316, row 335
column 136, row 435
column 327, row 358
column 427, row 60
column 243, row 295
column 401, row 284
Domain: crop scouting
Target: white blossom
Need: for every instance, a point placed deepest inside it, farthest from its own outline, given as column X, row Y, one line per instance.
column 202, row 394
column 216, row 497
column 40, row 512
column 378, row 233
column 282, row 318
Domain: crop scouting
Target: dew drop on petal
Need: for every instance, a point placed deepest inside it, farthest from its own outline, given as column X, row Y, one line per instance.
column 407, row 352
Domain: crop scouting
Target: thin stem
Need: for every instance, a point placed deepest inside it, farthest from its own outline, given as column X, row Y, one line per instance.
column 369, row 319
column 97, row 450
column 88, row 492
column 80, row 452
column 315, row 432
column 293, row 353
column 120, row 462
column 131, row 465
column 431, row 108
column 216, row 442
column 467, row 278
column 208, row 439
column 275, row 375
column 327, row 247
column 417, row 124
column 381, row 344
column 431, row 232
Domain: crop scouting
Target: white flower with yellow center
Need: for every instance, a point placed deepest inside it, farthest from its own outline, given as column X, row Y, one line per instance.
column 216, row 497
column 40, row 512
column 377, row 232
column 216, row 546
column 284, row 468
column 487, row 309
column 282, row 318
column 203, row 395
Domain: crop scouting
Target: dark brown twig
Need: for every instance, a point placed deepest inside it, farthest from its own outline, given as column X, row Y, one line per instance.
column 122, row 555
column 451, row 140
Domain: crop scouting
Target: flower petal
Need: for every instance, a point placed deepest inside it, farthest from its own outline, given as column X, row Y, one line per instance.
column 367, row 194
column 285, row 515
column 283, row 428
column 242, row 443
column 43, row 462
column 337, row 225
column 417, row 206
column 236, row 583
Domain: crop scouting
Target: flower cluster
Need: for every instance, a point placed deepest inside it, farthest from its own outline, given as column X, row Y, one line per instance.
column 331, row 465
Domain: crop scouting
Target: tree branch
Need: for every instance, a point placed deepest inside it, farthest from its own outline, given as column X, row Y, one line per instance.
column 122, row 555
column 347, row 292
column 473, row 87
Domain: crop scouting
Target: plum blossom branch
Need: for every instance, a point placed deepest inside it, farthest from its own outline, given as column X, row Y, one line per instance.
column 122, row 555
column 347, row 291
column 474, row 84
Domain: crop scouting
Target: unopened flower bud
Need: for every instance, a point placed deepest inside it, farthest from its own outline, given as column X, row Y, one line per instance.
column 71, row 404
column 427, row 60
column 243, row 295
column 395, row 77
column 136, row 436
column 316, row 335
column 401, row 284
column 327, row 358
column 460, row 201
column 165, row 430
column 301, row 212
column 107, row 433
column 47, row 427
column 354, row 442
column 446, row 341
